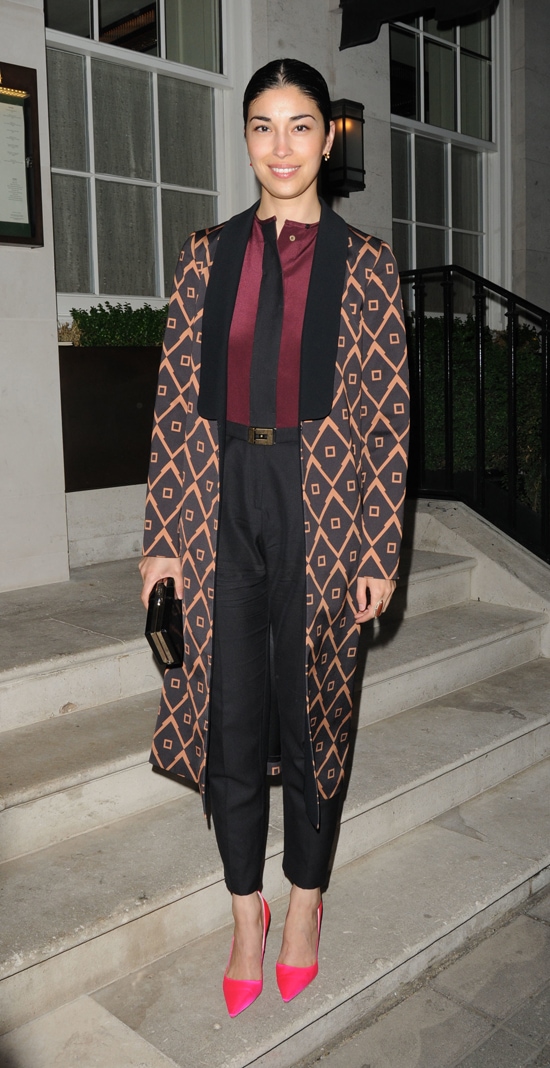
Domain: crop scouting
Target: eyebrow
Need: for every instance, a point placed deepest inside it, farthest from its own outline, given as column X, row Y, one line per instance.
column 293, row 118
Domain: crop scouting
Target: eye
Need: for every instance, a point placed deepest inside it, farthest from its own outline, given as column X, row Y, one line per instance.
column 301, row 127
column 261, row 128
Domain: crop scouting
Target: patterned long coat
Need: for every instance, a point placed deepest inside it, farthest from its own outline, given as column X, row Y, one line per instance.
column 354, row 434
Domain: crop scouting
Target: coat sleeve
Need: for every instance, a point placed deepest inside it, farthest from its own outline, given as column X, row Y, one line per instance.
column 164, row 485
column 385, row 419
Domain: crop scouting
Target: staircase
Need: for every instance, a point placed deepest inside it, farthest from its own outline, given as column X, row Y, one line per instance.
column 112, row 893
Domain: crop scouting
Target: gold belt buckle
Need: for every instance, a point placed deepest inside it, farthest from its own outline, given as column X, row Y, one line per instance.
column 261, row 435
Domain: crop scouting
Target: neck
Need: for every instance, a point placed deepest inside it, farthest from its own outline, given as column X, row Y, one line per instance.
column 300, row 209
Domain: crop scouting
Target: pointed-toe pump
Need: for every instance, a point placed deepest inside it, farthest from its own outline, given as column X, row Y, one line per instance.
column 240, row 993
column 291, row 981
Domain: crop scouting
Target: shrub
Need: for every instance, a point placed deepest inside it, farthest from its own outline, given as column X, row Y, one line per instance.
column 120, row 324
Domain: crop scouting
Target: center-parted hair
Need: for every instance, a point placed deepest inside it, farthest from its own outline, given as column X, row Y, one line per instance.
column 281, row 72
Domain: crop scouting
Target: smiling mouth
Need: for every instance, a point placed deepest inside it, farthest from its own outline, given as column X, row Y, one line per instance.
column 283, row 172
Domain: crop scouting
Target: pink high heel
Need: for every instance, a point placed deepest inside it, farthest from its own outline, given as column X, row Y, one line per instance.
column 291, row 981
column 240, row 993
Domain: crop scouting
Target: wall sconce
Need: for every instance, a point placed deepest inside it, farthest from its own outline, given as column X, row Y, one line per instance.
column 346, row 167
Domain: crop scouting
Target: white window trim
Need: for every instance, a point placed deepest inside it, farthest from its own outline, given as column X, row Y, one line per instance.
column 496, row 155
column 236, row 188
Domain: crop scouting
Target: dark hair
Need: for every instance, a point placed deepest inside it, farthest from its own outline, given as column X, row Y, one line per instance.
column 289, row 72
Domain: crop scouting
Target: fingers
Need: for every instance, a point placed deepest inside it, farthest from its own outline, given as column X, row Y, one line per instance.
column 155, row 569
column 378, row 594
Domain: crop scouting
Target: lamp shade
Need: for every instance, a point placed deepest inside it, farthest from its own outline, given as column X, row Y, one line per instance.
column 346, row 167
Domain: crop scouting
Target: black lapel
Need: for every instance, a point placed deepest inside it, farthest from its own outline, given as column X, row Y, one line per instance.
column 219, row 303
column 322, row 317
column 321, row 321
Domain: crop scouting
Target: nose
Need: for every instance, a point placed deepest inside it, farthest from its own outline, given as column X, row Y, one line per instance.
column 281, row 147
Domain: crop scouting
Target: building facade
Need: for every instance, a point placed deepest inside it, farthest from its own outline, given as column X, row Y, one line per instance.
column 141, row 141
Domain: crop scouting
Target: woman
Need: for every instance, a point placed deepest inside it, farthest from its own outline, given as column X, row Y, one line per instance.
column 275, row 501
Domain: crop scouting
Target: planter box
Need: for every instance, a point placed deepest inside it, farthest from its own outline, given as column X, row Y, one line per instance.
column 107, row 403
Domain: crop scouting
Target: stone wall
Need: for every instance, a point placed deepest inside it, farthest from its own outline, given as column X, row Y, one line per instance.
column 530, row 94
column 311, row 31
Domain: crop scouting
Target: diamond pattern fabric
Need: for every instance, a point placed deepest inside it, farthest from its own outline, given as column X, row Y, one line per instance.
column 354, row 471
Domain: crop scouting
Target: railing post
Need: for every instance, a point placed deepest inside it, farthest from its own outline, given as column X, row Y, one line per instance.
column 419, row 293
column 512, row 410
column 479, row 474
column 545, row 422
column 448, row 317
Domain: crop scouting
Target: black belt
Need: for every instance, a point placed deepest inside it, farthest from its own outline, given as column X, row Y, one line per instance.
column 262, row 435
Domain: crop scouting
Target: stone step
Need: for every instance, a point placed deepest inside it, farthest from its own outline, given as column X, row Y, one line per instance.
column 73, row 644
column 84, row 769
column 88, row 911
column 80, row 644
column 69, row 774
column 388, row 917
column 416, row 659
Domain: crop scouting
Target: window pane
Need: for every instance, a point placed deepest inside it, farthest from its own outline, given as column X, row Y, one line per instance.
column 467, row 251
column 475, row 96
column 71, row 233
column 181, row 214
column 70, row 16
column 404, row 74
column 432, row 26
column 430, row 247
column 125, row 238
column 193, row 33
column 476, row 37
column 122, row 120
column 123, row 23
column 466, row 180
column 67, row 110
column 186, row 133
column 402, row 235
column 400, row 175
column 430, row 181
column 439, row 83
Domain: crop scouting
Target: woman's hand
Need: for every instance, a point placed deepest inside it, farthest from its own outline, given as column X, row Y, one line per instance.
column 381, row 592
column 155, row 568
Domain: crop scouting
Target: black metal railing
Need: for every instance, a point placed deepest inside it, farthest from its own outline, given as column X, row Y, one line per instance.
column 480, row 392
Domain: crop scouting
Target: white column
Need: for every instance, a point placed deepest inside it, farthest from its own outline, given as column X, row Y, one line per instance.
column 33, row 533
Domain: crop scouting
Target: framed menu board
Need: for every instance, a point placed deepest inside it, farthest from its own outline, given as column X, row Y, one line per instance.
column 20, row 190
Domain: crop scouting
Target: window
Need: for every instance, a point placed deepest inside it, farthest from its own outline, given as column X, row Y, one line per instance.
column 185, row 31
column 443, row 77
column 126, row 188
column 440, row 81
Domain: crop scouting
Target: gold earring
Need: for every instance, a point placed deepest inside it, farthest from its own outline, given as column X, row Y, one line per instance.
column 326, row 157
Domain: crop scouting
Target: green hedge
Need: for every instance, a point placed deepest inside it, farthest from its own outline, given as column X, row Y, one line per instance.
column 529, row 403
column 120, row 324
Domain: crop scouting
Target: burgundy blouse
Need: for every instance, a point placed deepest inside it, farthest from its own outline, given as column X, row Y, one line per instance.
column 296, row 245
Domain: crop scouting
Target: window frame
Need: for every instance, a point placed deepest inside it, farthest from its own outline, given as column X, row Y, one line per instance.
column 234, row 185
column 487, row 149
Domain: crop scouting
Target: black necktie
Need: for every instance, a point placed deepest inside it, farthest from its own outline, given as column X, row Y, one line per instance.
column 267, row 335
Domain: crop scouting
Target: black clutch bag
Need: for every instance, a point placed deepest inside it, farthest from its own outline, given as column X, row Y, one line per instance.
column 164, row 626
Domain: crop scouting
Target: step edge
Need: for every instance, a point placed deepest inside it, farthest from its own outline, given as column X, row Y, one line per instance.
column 275, row 850
column 450, row 653
column 44, row 668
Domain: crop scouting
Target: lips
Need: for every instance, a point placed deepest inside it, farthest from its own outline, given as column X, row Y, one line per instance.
column 283, row 172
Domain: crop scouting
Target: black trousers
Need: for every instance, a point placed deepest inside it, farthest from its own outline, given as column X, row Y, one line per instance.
column 260, row 584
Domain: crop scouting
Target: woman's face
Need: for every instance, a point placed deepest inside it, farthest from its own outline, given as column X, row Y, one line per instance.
column 286, row 141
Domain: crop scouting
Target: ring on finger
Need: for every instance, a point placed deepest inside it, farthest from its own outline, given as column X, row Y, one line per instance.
column 378, row 609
